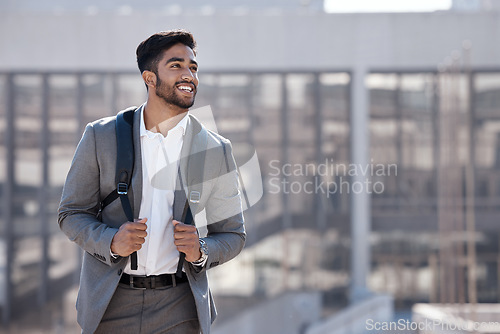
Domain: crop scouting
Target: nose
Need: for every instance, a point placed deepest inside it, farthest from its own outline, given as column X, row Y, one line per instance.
column 187, row 76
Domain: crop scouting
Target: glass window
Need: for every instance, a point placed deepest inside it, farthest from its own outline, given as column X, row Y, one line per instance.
column 131, row 91
column 28, row 102
column 487, row 138
column 3, row 109
column 97, row 96
column 3, row 149
column 487, row 114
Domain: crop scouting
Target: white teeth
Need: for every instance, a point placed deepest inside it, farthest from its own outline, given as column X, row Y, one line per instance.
column 186, row 88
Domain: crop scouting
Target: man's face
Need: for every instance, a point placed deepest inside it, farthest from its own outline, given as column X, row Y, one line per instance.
column 177, row 76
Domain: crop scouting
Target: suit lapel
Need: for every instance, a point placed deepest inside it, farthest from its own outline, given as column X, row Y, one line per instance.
column 191, row 165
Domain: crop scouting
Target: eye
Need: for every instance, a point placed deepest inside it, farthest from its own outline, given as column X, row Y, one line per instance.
column 175, row 66
column 194, row 68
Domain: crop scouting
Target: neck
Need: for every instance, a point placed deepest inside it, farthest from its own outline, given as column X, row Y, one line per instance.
column 161, row 117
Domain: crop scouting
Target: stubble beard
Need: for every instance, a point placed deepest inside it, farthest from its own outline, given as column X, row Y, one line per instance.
column 170, row 97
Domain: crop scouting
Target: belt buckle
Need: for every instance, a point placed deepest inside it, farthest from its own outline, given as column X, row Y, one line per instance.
column 131, row 283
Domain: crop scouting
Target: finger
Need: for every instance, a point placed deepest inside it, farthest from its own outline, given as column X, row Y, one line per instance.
column 133, row 236
column 138, row 226
column 180, row 242
column 178, row 224
column 143, row 228
column 140, row 221
column 186, row 242
column 179, row 236
column 134, row 226
column 131, row 233
column 140, row 241
column 134, row 244
column 180, row 227
column 186, row 235
column 141, row 234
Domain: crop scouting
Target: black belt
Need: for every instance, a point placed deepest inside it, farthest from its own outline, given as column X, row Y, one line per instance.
column 153, row 281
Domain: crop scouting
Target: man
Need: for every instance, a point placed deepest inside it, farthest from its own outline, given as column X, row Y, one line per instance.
column 177, row 160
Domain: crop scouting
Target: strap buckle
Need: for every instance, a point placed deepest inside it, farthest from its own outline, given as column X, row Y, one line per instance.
column 122, row 188
column 194, row 197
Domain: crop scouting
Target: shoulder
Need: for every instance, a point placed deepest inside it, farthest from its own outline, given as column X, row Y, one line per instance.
column 103, row 124
column 100, row 131
column 94, row 130
column 213, row 138
column 216, row 139
column 219, row 150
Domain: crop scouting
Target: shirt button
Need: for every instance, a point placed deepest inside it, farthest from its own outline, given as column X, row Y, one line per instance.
column 120, row 272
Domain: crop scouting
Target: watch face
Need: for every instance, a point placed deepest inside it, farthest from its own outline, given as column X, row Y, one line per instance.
column 203, row 247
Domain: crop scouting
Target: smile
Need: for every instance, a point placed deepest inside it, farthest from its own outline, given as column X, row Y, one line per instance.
column 186, row 89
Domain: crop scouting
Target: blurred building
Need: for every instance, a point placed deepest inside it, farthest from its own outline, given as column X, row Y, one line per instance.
column 475, row 5
column 411, row 99
column 173, row 7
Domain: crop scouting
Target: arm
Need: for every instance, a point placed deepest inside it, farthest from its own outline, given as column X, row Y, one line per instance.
column 80, row 202
column 226, row 233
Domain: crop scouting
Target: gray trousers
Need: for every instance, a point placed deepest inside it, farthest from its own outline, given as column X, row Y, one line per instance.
column 169, row 310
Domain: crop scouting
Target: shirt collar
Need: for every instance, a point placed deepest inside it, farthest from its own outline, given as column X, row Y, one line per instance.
column 182, row 125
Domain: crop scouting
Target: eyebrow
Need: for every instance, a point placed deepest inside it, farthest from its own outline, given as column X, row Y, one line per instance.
column 173, row 59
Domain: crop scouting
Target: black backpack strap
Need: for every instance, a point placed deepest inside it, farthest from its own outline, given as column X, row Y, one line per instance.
column 124, row 167
column 187, row 218
column 109, row 199
column 124, row 159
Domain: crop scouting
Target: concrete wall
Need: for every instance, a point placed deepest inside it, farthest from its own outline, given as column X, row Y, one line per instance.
column 292, row 41
column 354, row 319
column 287, row 314
column 456, row 318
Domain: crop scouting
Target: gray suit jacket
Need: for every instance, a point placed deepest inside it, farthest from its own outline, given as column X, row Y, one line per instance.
column 207, row 167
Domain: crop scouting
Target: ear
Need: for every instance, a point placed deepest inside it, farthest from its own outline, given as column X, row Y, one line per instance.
column 149, row 79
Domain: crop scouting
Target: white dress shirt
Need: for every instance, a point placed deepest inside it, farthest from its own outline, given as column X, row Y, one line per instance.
column 160, row 161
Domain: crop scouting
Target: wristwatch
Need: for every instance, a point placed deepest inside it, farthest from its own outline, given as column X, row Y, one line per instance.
column 204, row 252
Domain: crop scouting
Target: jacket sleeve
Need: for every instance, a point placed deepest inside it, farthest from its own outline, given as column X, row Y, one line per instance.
column 80, row 202
column 226, row 232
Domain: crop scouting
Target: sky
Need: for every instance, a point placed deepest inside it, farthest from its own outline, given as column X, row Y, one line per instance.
column 356, row 6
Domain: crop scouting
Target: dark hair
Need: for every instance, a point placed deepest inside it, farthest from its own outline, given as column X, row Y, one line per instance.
column 150, row 51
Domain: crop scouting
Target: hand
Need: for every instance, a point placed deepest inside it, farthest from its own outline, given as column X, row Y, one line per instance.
column 186, row 240
column 129, row 237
